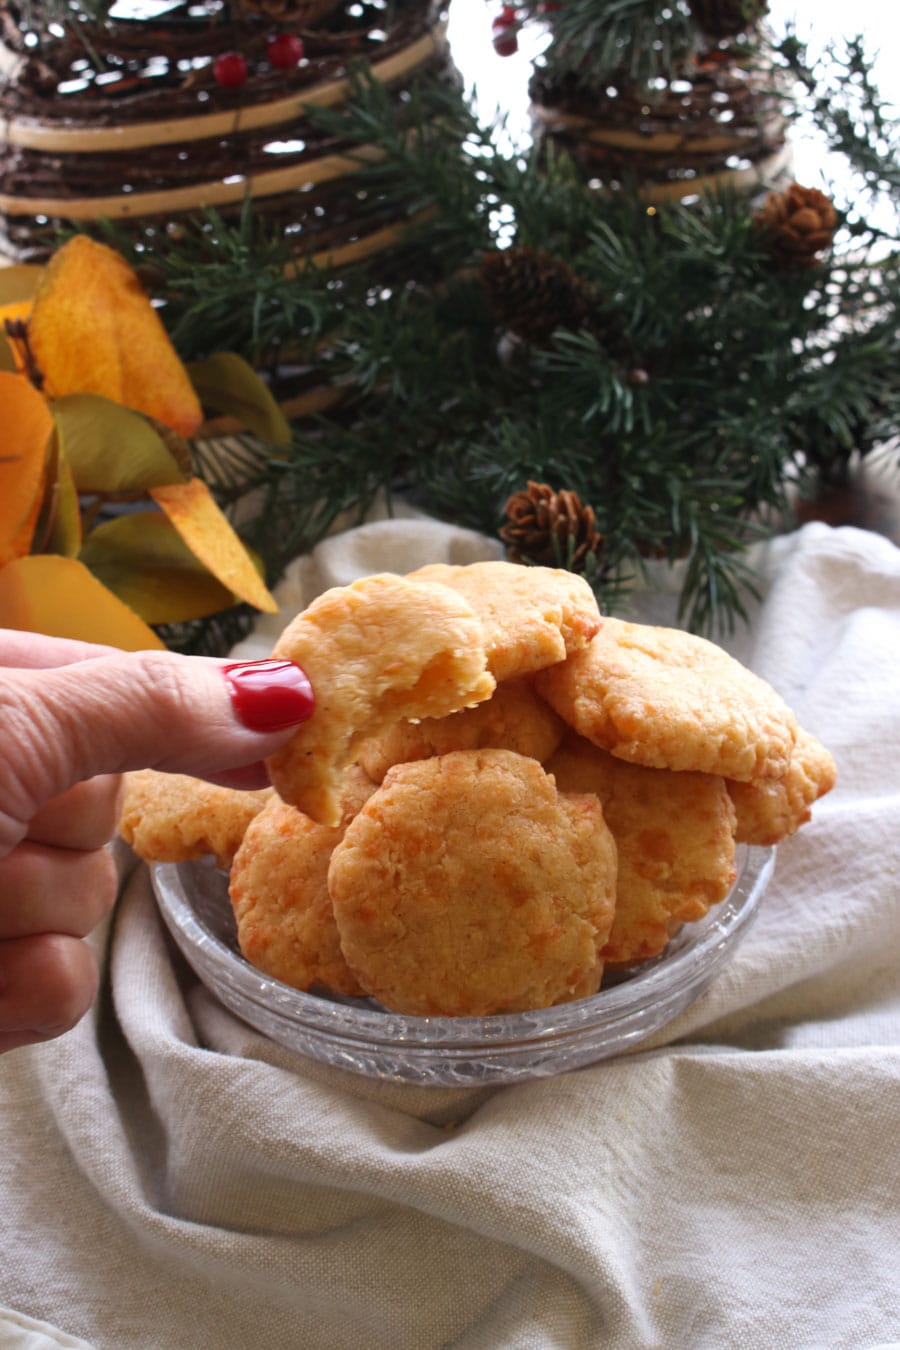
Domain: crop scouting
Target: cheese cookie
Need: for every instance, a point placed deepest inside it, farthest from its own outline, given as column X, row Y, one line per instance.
column 770, row 810
column 675, row 842
column 171, row 817
column 376, row 652
column 279, row 893
column 670, row 700
column 467, row 885
column 513, row 718
column 532, row 616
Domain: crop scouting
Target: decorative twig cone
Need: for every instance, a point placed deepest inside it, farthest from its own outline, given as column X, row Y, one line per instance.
column 711, row 119
column 727, row 18
column 145, row 122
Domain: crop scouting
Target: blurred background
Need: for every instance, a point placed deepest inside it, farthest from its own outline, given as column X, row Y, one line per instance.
column 502, row 81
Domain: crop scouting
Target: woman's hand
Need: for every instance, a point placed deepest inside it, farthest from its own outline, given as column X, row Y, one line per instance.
column 73, row 718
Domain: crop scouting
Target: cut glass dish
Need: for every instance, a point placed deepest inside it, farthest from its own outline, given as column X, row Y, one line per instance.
column 359, row 1035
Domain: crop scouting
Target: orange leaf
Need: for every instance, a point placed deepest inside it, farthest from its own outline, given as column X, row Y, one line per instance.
column 205, row 529
column 50, row 594
column 93, row 330
column 27, row 427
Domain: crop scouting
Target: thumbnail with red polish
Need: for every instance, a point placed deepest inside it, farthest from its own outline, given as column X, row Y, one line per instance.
column 269, row 695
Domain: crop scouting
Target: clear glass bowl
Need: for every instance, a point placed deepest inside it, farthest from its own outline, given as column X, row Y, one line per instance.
column 359, row 1035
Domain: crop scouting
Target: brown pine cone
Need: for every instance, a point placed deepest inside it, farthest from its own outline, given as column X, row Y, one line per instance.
column 550, row 529
column 799, row 224
column 727, row 18
column 533, row 294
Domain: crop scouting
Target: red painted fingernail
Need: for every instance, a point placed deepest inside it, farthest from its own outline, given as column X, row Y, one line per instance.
column 269, row 695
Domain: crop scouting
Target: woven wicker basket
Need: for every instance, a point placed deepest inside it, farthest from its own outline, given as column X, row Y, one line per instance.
column 297, row 13
column 721, row 125
column 139, row 142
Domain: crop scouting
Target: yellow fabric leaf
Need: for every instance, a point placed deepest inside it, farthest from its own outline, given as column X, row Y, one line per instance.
column 27, row 427
column 93, row 330
column 143, row 560
column 62, row 508
column 19, row 282
column 12, row 354
column 205, row 529
column 58, row 596
column 113, row 451
column 227, row 383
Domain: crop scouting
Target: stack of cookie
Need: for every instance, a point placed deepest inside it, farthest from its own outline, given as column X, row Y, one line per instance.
column 500, row 795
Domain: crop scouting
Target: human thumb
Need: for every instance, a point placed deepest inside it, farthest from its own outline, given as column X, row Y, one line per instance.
column 178, row 714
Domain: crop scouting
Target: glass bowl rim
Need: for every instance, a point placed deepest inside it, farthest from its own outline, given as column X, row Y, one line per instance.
column 668, row 977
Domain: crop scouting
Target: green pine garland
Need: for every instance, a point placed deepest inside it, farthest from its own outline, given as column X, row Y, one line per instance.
column 709, row 388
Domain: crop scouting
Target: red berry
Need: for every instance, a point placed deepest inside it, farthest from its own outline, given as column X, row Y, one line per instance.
column 505, row 22
column 506, row 41
column 505, row 30
column 285, row 50
column 230, row 70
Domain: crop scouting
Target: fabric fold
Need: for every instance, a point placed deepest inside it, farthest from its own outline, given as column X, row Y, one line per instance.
column 171, row 1178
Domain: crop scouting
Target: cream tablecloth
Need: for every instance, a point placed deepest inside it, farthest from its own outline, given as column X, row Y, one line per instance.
column 170, row 1180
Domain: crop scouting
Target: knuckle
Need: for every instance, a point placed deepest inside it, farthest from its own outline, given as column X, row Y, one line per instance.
column 92, row 891
column 106, row 887
column 162, row 672
column 71, row 985
column 30, row 769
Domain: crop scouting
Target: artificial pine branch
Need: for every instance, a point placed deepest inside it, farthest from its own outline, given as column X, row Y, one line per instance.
column 217, row 277
column 847, row 109
column 430, row 142
column 639, row 40
column 701, row 388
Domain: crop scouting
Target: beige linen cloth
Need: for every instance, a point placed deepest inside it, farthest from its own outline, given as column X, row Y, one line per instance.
column 171, row 1180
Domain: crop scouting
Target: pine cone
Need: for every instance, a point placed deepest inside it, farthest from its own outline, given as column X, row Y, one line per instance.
column 727, row 18
column 550, row 529
column 533, row 294
column 799, row 224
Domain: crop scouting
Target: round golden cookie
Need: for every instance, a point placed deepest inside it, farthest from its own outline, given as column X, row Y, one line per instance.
column 675, row 842
column 532, row 616
column 513, row 718
column 279, row 894
column 467, row 885
column 770, row 810
column 376, row 652
column 171, row 817
column 671, row 700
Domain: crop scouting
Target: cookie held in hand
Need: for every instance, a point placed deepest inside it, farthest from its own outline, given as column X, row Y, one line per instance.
column 376, row 652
